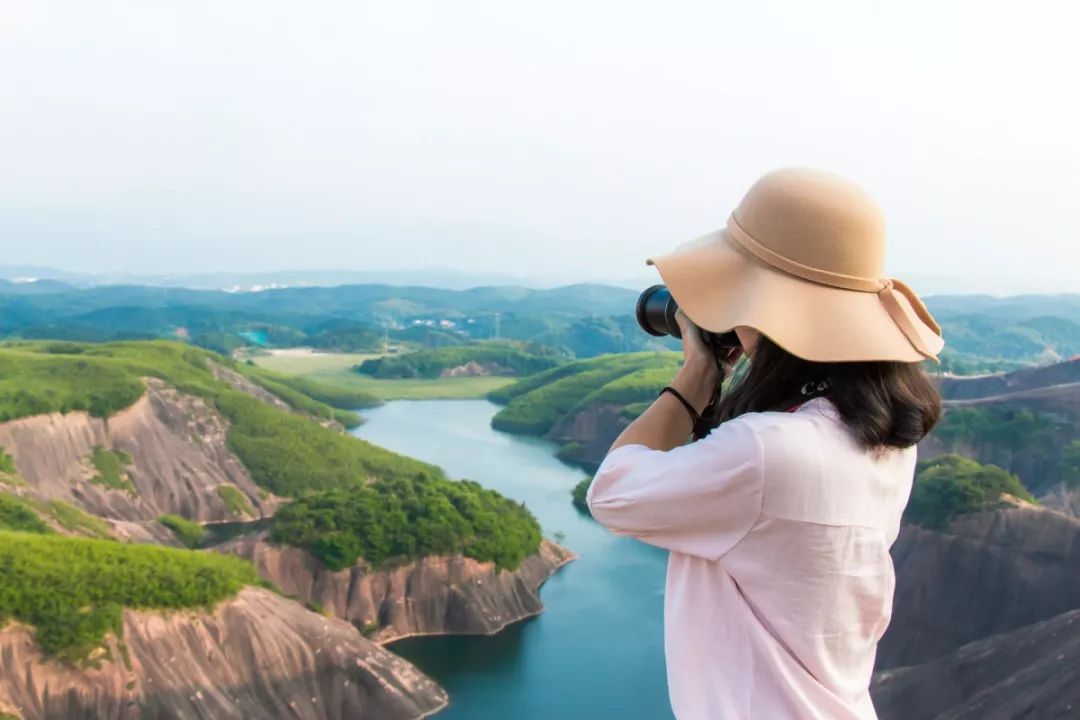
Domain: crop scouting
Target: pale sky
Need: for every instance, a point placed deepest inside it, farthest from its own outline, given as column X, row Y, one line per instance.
column 563, row 139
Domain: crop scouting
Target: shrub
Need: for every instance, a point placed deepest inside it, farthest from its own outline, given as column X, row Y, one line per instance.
column 398, row 519
column 18, row 514
column 73, row 590
column 952, row 485
column 579, row 493
column 189, row 533
column 235, row 501
column 110, row 466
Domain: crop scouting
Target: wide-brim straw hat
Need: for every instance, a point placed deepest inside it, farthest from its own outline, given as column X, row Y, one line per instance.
column 801, row 260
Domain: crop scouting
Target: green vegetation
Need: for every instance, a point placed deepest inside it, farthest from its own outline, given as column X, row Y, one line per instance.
column 19, row 514
column 504, row 358
column 285, row 452
column 189, row 533
column 313, row 397
column 998, row 426
column 1070, row 465
column 951, row 485
column 236, row 501
column 7, row 464
column 336, row 370
column 75, row 520
column 49, row 381
column 391, row 520
column 110, row 466
column 73, row 590
column 291, row 456
column 536, row 403
column 579, row 492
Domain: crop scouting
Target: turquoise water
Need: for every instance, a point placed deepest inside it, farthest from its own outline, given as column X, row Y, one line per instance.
column 258, row 337
column 597, row 650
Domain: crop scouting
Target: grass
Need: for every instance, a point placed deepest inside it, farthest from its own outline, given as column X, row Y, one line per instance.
column 236, row 502
column 110, row 466
column 189, row 533
column 536, row 403
column 18, row 514
column 336, row 370
column 73, row 590
column 7, row 463
column 74, row 520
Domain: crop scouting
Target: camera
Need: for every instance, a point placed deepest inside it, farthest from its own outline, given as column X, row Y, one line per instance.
column 656, row 316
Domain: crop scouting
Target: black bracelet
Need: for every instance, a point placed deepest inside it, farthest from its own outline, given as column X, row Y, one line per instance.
column 695, row 416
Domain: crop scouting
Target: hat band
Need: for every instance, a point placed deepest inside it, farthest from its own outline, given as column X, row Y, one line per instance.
column 888, row 290
column 792, row 267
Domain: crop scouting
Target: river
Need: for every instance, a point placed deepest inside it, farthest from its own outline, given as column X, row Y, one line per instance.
column 597, row 650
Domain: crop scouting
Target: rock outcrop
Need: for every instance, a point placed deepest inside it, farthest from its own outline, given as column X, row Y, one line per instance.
column 588, row 434
column 1033, row 672
column 257, row 655
column 430, row 596
column 989, row 573
column 179, row 459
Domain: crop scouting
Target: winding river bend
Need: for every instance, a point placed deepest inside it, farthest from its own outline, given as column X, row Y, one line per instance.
column 597, row 650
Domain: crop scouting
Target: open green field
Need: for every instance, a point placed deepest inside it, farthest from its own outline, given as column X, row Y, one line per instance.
column 336, row 369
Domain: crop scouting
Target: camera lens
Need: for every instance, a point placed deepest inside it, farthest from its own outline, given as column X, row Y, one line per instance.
column 656, row 310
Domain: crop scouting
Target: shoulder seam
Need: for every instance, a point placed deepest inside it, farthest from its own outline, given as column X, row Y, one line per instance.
column 761, row 487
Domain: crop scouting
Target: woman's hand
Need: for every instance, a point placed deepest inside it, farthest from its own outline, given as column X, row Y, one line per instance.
column 698, row 376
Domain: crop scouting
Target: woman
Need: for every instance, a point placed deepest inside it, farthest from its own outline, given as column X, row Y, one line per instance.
column 780, row 520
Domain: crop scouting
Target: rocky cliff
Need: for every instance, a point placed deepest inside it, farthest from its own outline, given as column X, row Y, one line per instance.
column 988, row 573
column 1033, row 672
column 430, row 596
column 179, row 460
column 255, row 656
column 588, row 434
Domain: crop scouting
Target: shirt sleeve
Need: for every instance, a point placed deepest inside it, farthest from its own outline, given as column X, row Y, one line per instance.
column 698, row 499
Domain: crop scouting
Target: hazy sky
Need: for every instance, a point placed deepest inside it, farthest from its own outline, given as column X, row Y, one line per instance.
column 565, row 139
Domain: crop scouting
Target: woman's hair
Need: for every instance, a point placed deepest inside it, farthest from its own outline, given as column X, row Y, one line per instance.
column 884, row 403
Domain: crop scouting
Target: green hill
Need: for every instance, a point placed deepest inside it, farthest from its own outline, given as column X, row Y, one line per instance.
column 951, row 485
column 354, row 498
column 498, row 358
column 73, row 590
column 404, row 518
column 534, row 404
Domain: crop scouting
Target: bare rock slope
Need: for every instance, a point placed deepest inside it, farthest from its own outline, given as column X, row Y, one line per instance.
column 1033, row 672
column 256, row 656
column 179, row 460
column 989, row 573
column 430, row 596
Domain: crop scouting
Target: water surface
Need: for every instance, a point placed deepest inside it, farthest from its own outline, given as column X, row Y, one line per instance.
column 596, row 652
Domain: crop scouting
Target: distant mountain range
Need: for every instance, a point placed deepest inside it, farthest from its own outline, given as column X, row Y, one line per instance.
column 983, row 333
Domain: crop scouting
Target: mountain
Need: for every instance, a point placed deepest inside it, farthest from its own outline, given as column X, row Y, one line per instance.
column 986, row 619
column 1026, row 421
column 109, row 452
column 257, row 655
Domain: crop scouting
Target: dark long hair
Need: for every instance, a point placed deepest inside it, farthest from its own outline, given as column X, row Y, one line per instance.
column 885, row 404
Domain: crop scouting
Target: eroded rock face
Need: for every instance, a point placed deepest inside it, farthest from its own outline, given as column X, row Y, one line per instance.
column 593, row 430
column 431, row 596
column 989, row 573
column 179, row 459
column 1033, row 672
column 256, row 656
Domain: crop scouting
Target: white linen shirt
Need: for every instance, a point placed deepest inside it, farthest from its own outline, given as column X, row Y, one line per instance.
column 779, row 581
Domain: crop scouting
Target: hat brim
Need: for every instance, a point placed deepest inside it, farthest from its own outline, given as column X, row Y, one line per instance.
column 720, row 286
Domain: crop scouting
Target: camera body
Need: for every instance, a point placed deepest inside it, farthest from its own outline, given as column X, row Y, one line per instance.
column 656, row 310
